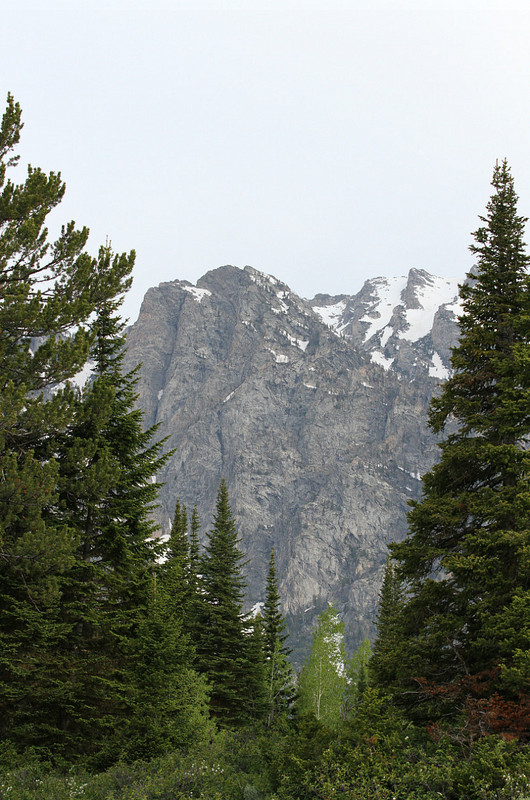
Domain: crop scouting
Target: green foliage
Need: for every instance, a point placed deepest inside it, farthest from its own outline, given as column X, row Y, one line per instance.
column 176, row 569
column 323, row 681
column 169, row 699
column 279, row 675
column 48, row 294
column 378, row 754
column 93, row 661
column 357, row 675
column 221, row 643
column 466, row 558
column 387, row 654
column 106, row 492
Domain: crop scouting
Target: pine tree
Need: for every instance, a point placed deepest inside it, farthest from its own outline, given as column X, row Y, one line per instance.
column 278, row 671
column 322, row 682
column 222, row 646
column 47, row 297
column 466, row 557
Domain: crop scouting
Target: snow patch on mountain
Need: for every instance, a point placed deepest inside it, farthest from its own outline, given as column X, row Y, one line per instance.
column 331, row 315
column 378, row 358
column 196, row 292
column 430, row 295
column 387, row 295
column 438, row 370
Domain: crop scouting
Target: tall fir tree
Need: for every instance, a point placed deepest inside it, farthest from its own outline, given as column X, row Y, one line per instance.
column 177, row 560
column 466, row 557
column 47, row 298
column 192, row 618
column 168, row 699
column 278, row 671
column 387, row 657
column 107, row 490
column 222, row 643
column 257, row 700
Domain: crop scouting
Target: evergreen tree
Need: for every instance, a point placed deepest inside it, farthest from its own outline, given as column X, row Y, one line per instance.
column 278, row 671
column 194, row 549
column 357, row 679
column 47, row 297
column 178, row 560
column 107, row 465
column 222, row 646
column 387, row 649
column 257, row 702
column 193, row 616
column 168, row 698
column 466, row 558
column 322, row 682
column 273, row 620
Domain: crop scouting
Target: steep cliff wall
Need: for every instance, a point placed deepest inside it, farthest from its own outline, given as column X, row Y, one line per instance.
column 313, row 411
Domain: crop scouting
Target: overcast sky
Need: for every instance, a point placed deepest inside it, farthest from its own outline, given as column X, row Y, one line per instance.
column 322, row 142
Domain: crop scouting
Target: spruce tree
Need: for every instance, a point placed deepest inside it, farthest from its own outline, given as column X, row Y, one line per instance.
column 386, row 654
column 194, row 549
column 222, row 644
column 466, row 619
column 193, row 615
column 177, row 560
column 107, row 465
column 278, row 671
column 257, row 700
column 47, row 298
column 168, row 699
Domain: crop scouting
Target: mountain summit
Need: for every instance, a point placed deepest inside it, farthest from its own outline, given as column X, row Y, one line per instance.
column 314, row 412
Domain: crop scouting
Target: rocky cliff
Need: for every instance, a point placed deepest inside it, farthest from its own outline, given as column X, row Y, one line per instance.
column 314, row 412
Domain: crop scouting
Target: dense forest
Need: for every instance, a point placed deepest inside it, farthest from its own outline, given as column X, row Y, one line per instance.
column 127, row 666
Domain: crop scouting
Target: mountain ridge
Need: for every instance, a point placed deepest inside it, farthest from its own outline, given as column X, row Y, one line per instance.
column 321, row 445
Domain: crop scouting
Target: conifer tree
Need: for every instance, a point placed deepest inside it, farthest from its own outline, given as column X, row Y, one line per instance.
column 222, row 646
column 47, row 297
column 387, row 649
column 357, row 678
column 466, row 556
column 194, row 549
column 278, row 671
column 273, row 620
column 107, row 465
column 257, row 701
column 192, row 618
column 177, row 560
column 168, row 699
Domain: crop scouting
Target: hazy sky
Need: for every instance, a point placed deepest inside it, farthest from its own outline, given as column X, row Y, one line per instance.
column 323, row 142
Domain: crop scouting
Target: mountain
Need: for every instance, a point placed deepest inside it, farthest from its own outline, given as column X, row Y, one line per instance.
column 314, row 411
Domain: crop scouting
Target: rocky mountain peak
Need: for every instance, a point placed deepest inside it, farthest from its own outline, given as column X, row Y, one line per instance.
column 314, row 411
column 402, row 323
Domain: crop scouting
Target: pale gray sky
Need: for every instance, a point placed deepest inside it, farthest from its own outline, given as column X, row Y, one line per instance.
column 323, row 142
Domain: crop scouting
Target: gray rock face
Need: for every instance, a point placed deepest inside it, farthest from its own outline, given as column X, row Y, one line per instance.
column 313, row 411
